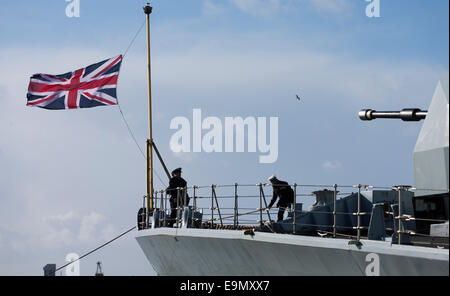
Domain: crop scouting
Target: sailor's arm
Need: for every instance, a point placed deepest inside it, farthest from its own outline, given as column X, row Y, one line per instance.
column 171, row 187
column 274, row 199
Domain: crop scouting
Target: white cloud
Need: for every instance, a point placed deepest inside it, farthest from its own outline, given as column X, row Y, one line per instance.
column 263, row 8
column 270, row 8
column 332, row 6
column 63, row 230
column 43, row 179
column 61, row 218
column 211, row 8
column 185, row 157
column 330, row 166
column 95, row 227
column 330, row 75
column 58, row 170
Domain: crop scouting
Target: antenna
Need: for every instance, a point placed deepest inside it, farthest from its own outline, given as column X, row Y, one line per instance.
column 99, row 269
column 148, row 10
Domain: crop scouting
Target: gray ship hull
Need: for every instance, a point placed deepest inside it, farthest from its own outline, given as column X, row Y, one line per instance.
column 201, row 252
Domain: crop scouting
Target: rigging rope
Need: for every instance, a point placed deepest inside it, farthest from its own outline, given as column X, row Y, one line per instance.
column 130, row 131
column 137, row 144
column 123, row 116
column 141, row 151
column 96, row 249
column 134, row 39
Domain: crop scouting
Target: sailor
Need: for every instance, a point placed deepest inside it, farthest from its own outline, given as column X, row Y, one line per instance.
column 177, row 196
column 283, row 191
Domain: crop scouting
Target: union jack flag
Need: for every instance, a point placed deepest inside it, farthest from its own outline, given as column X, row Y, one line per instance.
column 88, row 87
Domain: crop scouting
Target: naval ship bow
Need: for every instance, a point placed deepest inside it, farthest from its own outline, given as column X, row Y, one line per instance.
column 355, row 229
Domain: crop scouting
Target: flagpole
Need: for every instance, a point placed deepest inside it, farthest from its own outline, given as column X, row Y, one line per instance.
column 148, row 10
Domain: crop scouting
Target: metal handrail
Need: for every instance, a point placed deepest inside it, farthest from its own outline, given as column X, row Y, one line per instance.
column 234, row 218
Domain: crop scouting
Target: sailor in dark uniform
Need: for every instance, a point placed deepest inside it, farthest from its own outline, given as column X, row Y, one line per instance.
column 283, row 191
column 183, row 199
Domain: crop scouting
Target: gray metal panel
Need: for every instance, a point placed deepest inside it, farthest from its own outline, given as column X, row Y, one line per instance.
column 440, row 230
column 199, row 252
column 431, row 163
column 430, row 174
column 377, row 228
column 320, row 215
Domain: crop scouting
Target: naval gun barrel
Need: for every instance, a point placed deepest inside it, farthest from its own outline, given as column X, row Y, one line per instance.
column 410, row 114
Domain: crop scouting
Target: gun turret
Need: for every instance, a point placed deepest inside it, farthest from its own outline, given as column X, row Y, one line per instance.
column 410, row 114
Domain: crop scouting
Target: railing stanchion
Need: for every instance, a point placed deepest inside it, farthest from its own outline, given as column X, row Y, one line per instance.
column 359, row 214
column 155, row 206
column 161, row 209
column 218, row 207
column 265, row 204
column 212, row 206
column 178, row 207
column 143, row 214
column 147, row 212
column 235, row 218
column 260, row 205
column 184, row 191
column 294, row 220
column 334, row 209
column 165, row 207
column 194, row 207
column 400, row 221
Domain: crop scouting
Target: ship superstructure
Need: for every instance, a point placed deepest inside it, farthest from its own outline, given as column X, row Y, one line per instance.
column 353, row 229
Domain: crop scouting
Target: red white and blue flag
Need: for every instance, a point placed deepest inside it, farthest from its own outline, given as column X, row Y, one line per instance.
column 95, row 85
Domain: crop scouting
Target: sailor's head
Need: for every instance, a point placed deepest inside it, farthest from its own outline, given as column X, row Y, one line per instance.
column 176, row 172
column 272, row 179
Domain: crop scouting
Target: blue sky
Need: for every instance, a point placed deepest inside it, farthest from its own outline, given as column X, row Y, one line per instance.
column 74, row 179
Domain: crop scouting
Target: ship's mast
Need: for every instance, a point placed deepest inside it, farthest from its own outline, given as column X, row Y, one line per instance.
column 148, row 10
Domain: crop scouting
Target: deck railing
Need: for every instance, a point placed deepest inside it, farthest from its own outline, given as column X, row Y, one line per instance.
column 229, row 215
